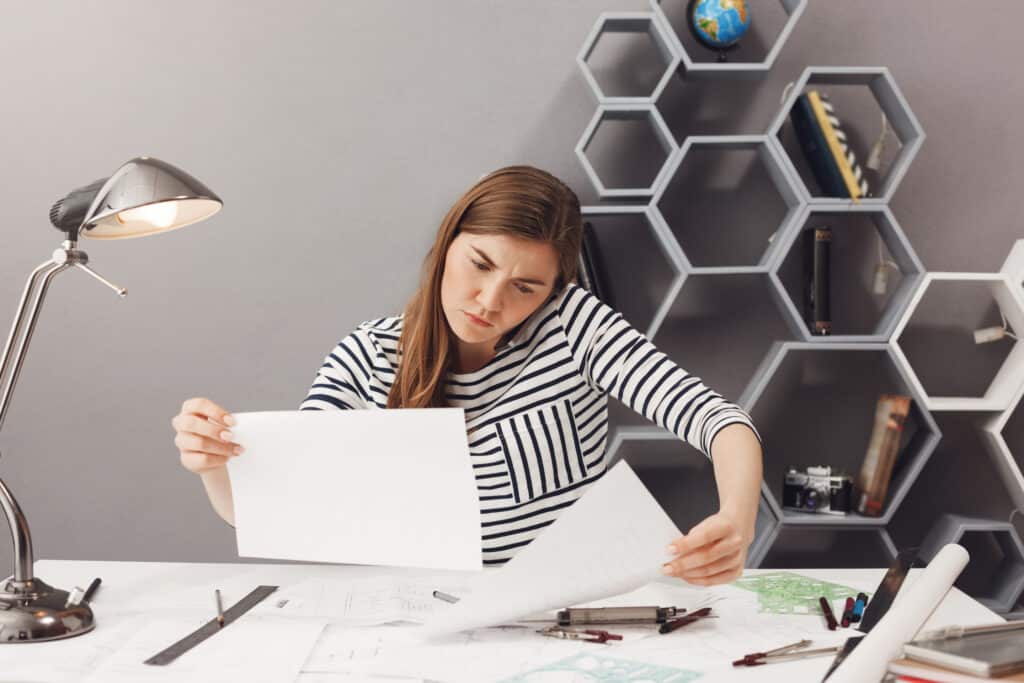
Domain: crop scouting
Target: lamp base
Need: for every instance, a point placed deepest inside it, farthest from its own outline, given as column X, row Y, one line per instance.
column 32, row 611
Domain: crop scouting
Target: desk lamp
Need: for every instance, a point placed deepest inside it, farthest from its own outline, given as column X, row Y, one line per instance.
column 143, row 197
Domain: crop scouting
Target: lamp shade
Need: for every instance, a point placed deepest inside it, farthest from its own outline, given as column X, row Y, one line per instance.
column 146, row 196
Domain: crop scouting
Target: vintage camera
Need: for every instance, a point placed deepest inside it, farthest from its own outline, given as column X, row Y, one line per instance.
column 817, row 490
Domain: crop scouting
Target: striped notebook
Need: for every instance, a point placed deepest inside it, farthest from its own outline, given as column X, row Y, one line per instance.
column 825, row 146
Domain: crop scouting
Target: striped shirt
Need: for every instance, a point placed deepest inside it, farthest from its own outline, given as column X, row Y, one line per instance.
column 537, row 413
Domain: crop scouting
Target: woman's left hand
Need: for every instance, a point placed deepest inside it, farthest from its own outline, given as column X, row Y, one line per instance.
column 713, row 552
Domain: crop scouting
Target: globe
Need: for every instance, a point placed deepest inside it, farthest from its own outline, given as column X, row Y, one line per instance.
column 719, row 24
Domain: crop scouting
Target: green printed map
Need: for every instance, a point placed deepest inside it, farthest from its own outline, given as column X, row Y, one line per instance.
column 787, row 593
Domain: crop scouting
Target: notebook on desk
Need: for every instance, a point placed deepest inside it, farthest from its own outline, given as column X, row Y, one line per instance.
column 985, row 655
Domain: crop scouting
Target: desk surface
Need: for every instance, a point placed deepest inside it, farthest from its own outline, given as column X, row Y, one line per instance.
column 118, row 600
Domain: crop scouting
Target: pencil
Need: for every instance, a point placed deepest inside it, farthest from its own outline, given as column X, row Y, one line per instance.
column 826, row 609
column 220, row 609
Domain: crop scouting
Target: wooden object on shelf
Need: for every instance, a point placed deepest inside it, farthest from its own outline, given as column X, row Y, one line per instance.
column 876, row 472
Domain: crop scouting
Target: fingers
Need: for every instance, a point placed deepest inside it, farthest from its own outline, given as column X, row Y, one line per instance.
column 197, row 462
column 722, row 564
column 187, row 441
column 207, row 408
column 709, row 531
column 707, row 555
column 198, row 425
column 720, row 578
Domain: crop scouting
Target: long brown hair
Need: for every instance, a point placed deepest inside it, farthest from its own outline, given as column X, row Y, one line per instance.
column 517, row 201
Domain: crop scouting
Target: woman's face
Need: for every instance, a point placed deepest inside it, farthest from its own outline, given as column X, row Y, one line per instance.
column 491, row 283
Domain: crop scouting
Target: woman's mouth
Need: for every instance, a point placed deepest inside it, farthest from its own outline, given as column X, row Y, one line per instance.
column 477, row 321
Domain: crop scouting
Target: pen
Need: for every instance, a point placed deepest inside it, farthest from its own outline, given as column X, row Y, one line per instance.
column 220, row 609
column 670, row 626
column 847, row 613
column 826, row 609
column 444, row 596
column 858, row 607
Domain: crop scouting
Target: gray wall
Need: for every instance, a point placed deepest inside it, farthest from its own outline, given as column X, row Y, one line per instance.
column 338, row 133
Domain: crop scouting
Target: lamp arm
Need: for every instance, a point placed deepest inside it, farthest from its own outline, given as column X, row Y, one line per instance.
column 21, row 334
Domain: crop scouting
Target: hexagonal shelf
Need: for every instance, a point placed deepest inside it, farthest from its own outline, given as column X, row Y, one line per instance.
column 1004, row 436
column 814, row 404
column 886, row 94
column 799, row 546
column 706, row 201
column 864, row 239
column 639, row 132
column 1007, row 379
column 682, row 480
column 649, row 58
column 1013, row 267
column 645, row 295
column 720, row 326
column 995, row 575
column 756, row 52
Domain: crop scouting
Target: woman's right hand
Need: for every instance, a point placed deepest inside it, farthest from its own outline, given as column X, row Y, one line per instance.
column 203, row 436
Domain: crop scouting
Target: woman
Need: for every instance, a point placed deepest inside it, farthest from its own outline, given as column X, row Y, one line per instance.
column 498, row 328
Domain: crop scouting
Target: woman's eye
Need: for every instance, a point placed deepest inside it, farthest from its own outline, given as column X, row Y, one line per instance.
column 479, row 265
column 524, row 290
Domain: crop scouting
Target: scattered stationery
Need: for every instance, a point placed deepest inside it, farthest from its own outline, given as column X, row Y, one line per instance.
column 867, row 662
column 257, row 649
column 670, row 626
column 390, row 487
column 586, row 635
column 826, row 609
column 789, row 593
column 616, row 615
column 172, row 652
column 612, row 540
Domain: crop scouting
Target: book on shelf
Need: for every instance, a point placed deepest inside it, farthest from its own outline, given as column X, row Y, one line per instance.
column 817, row 308
column 825, row 146
column 589, row 272
column 872, row 483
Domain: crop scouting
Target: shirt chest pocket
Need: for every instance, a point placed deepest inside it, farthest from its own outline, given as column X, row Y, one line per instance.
column 542, row 451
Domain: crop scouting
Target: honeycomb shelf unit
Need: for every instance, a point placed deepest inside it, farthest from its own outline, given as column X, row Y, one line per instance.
column 998, row 581
column 695, row 68
column 857, row 315
column 643, row 24
column 811, row 393
column 1007, row 380
column 893, row 105
column 627, row 113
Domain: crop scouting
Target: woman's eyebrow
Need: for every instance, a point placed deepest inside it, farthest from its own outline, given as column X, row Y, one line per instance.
column 491, row 263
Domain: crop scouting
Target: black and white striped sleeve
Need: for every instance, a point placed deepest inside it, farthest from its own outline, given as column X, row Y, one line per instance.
column 342, row 382
column 617, row 359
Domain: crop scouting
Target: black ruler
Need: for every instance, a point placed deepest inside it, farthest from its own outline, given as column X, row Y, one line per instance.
column 211, row 627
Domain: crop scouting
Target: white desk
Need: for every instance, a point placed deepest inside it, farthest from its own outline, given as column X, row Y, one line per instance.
column 126, row 583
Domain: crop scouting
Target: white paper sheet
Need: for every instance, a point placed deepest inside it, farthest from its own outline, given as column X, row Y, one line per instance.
column 391, row 487
column 363, row 601
column 255, row 649
column 611, row 541
column 910, row 610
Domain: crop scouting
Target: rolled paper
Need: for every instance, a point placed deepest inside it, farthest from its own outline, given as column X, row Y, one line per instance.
column 870, row 659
